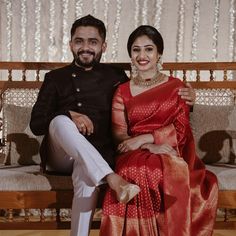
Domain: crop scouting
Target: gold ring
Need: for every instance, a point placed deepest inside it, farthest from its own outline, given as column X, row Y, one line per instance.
column 82, row 125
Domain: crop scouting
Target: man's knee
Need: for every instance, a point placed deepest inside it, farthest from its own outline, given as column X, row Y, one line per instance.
column 58, row 122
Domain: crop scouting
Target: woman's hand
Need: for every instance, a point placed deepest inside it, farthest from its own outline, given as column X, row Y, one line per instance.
column 160, row 149
column 135, row 142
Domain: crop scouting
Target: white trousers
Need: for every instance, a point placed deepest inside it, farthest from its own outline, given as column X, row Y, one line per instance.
column 70, row 152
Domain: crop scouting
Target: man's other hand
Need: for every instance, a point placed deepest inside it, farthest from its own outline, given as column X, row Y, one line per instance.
column 188, row 94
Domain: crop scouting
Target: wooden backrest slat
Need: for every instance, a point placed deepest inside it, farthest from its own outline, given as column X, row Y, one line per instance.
column 19, row 85
column 126, row 66
column 214, row 84
column 171, row 67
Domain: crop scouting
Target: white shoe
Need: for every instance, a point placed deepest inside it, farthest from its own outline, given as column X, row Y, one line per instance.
column 128, row 192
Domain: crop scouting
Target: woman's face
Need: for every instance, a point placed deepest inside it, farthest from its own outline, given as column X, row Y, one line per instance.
column 144, row 54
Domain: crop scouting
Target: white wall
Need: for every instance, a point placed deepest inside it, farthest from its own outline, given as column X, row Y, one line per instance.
column 26, row 32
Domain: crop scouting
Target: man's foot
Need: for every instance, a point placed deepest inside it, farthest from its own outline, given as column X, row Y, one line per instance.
column 128, row 192
column 124, row 190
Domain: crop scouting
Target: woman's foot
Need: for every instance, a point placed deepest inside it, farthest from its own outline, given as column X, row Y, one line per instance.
column 124, row 190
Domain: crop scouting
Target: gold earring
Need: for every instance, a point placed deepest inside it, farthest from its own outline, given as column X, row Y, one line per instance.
column 159, row 64
column 134, row 71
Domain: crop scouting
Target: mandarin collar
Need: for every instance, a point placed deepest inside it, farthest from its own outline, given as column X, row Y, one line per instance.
column 81, row 69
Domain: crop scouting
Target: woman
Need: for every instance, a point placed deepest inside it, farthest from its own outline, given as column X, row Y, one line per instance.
column 151, row 126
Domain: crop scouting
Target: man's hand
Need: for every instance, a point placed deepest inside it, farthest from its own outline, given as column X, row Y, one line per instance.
column 188, row 94
column 83, row 123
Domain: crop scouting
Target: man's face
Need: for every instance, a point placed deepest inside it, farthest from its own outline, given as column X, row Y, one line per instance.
column 87, row 46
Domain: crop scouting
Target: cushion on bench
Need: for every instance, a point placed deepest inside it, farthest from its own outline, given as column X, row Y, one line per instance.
column 225, row 174
column 214, row 130
column 29, row 178
column 21, row 146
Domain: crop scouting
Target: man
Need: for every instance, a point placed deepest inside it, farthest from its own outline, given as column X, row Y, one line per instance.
column 73, row 111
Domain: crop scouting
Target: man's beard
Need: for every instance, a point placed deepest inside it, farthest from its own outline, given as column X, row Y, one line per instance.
column 87, row 64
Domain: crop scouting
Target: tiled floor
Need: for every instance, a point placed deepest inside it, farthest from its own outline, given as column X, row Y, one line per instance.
column 93, row 233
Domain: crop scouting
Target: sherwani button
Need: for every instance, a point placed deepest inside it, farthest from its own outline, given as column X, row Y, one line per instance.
column 73, row 75
column 78, row 89
column 79, row 104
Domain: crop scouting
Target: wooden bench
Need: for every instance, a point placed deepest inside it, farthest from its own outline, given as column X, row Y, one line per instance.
column 19, row 86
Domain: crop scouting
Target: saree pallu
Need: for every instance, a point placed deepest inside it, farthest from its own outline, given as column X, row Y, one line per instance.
column 178, row 196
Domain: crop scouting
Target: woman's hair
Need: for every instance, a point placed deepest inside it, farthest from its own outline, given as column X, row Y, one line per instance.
column 151, row 33
column 89, row 21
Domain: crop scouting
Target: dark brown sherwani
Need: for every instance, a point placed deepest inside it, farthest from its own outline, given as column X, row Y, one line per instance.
column 71, row 88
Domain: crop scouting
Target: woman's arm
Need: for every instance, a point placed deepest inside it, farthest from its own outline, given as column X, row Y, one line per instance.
column 120, row 127
column 119, row 120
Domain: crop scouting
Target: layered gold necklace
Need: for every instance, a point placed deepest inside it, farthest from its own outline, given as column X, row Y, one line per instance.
column 145, row 83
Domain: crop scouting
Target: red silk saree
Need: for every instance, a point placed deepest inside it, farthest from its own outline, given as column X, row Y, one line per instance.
column 178, row 195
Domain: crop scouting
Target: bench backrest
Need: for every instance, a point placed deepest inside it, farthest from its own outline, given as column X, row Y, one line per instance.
column 212, row 120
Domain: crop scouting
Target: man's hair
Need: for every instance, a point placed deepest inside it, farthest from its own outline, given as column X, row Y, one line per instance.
column 89, row 21
column 149, row 31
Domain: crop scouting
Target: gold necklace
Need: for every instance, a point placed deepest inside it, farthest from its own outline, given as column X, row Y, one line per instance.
column 139, row 81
